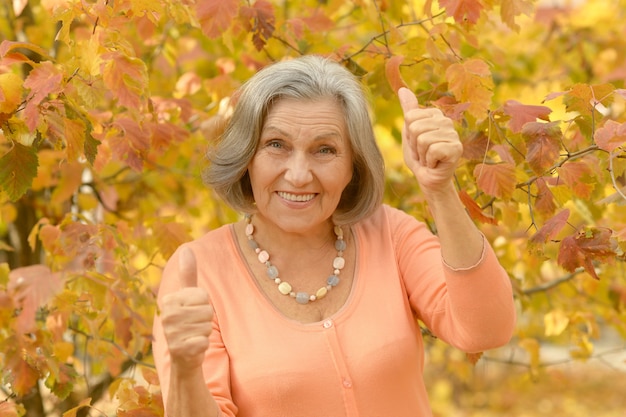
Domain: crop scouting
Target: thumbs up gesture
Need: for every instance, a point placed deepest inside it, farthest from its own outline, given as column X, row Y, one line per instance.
column 431, row 145
column 187, row 315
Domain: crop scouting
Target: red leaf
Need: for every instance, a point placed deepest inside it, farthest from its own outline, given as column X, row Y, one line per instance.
column 463, row 10
column 497, row 180
column 582, row 249
column 474, row 209
column 260, row 21
column 611, row 136
column 392, row 70
column 32, row 287
column 476, row 146
column 521, row 114
column 43, row 80
column 544, row 143
column 451, row 108
column 215, row 16
column 551, row 228
column 545, row 199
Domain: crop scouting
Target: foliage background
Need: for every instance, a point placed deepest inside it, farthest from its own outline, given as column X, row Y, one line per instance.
column 106, row 107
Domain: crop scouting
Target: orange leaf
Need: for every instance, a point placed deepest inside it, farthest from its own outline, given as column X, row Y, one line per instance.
column 43, row 80
column 474, row 209
column 8, row 409
column 463, row 11
column 131, row 143
column 544, row 143
column 9, row 47
column 215, row 16
column 509, row 9
column 521, row 114
column 611, row 136
column 551, row 228
column 24, row 377
column 392, row 70
column 32, row 287
column 473, row 358
column 125, row 77
column 165, row 135
column 573, row 173
column 318, row 21
column 497, row 180
column 74, row 138
column 470, row 82
column 584, row 98
column 170, row 236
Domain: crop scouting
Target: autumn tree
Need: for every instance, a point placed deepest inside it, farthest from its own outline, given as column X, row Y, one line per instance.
column 107, row 106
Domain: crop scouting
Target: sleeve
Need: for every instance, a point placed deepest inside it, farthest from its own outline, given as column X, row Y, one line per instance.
column 216, row 362
column 472, row 308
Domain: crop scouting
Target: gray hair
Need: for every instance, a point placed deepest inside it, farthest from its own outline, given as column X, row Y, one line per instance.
column 304, row 78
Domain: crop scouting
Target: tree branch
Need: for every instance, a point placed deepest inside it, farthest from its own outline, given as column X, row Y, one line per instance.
column 554, row 283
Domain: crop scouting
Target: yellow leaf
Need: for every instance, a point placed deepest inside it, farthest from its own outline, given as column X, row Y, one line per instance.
column 10, row 92
column 555, row 322
column 72, row 412
column 532, row 346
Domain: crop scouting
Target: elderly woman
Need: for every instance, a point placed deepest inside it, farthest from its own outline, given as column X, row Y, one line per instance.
column 308, row 306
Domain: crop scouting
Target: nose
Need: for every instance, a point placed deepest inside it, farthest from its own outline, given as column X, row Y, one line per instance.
column 298, row 169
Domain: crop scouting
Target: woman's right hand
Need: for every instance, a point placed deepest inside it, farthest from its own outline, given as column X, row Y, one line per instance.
column 187, row 317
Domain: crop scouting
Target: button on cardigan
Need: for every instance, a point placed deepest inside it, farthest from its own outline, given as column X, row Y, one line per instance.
column 364, row 361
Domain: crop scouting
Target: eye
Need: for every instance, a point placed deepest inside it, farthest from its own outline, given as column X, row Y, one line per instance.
column 327, row 150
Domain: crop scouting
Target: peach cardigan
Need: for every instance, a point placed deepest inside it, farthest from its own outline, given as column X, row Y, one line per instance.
column 367, row 359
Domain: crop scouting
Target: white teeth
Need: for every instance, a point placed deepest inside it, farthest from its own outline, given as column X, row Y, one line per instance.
column 296, row 197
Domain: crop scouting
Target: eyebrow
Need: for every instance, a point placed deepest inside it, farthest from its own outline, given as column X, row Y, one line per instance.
column 321, row 136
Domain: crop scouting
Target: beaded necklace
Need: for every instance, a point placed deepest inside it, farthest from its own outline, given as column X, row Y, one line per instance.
column 284, row 287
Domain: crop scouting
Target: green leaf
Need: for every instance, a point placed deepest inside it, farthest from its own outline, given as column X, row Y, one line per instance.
column 18, row 168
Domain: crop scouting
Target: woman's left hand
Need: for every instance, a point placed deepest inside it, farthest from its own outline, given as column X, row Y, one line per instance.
column 430, row 143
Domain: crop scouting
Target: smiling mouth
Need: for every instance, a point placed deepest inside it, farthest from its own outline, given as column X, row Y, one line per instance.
column 296, row 197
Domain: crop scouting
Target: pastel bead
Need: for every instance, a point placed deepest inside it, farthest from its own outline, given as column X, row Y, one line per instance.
column 302, row 298
column 284, row 288
column 249, row 229
column 263, row 256
column 340, row 245
column 339, row 262
column 332, row 280
column 272, row 272
column 338, row 231
column 321, row 293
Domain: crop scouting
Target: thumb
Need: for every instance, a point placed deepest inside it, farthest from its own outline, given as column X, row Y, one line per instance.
column 408, row 101
column 187, row 271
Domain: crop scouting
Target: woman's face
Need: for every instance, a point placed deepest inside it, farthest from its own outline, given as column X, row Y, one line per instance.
column 302, row 164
